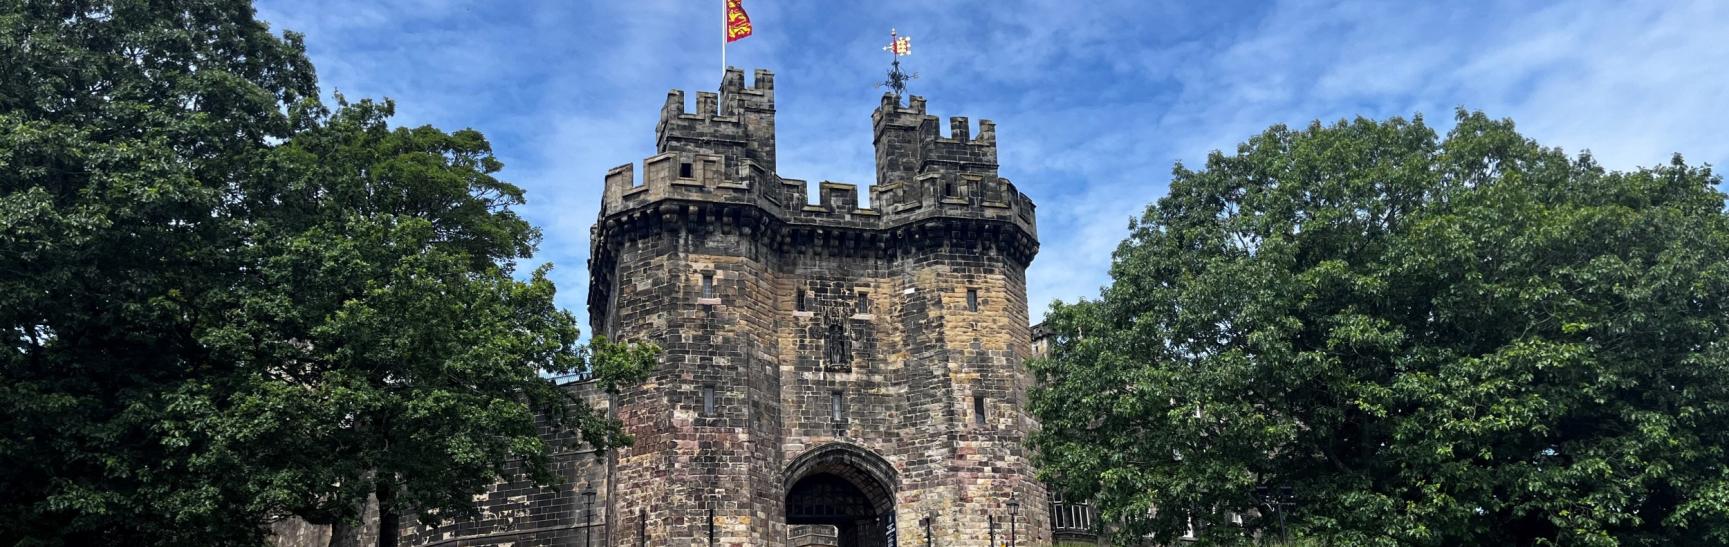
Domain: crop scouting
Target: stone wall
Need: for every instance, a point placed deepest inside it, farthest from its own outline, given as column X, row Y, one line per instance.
column 512, row 513
column 520, row 512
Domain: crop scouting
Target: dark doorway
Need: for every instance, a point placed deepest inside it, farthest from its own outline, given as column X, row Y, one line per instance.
column 845, row 486
column 825, row 498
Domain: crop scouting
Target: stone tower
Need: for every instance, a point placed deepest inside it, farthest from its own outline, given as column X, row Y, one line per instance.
column 827, row 363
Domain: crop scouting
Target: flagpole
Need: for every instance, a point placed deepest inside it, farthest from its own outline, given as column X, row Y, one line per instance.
column 723, row 28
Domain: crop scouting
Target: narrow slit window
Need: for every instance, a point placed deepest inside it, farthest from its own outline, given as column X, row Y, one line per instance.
column 708, row 402
column 802, row 304
column 837, row 406
column 708, row 285
column 972, row 300
column 684, row 170
column 948, row 189
column 864, row 302
column 978, row 410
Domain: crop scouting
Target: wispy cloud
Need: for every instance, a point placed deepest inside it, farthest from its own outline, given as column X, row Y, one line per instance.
column 1094, row 101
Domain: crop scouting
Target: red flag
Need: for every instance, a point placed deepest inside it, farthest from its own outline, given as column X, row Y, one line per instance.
column 737, row 21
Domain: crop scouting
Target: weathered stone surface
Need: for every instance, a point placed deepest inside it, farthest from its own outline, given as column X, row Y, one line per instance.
column 828, row 368
column 847, row 352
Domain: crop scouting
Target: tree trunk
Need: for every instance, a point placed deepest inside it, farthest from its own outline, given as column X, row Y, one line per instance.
column 389, row 522
column 344, row 535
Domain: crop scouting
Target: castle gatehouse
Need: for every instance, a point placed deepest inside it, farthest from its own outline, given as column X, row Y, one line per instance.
column 833, row 374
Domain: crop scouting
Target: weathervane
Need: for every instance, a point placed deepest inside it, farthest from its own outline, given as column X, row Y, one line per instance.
column 898, row 46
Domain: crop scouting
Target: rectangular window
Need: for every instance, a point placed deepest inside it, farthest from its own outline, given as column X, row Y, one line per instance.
column 864, row 302
column 972, row 300
column 837, row 406
column 708, row 285
column 978, row 410
column 708, row 402
column 802, row 305
column 684, row 171
column 948, row 189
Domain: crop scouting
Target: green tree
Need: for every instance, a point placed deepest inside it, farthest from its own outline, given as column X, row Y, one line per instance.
column 1473, row 340
column 225, row 303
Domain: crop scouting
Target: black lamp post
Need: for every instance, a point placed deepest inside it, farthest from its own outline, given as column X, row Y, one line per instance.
column 1277, row 500
column 588, row 528
column 926, row 523
column 1014, row 510
column 993, row 521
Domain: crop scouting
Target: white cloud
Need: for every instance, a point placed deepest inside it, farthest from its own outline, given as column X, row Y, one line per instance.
column 1632, row 83
column 1094, row 101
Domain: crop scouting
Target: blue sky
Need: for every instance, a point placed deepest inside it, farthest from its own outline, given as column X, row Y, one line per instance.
column 1094, row 101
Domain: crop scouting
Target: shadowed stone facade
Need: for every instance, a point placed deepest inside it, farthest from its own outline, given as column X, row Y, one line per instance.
column 833, row 374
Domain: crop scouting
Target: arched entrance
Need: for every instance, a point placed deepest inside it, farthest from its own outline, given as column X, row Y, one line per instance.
column 845, row 486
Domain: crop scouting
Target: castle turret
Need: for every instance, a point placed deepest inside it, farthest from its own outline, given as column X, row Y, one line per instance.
column 908, row 143
column 736, row 124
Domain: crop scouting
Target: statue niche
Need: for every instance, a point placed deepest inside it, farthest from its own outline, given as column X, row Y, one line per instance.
column 837, row 348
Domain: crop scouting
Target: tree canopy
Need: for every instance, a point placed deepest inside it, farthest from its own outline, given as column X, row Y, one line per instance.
column 225, row 302
column 1469, row 340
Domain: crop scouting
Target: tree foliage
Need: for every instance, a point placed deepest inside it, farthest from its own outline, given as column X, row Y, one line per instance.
column 226, row 303
column 1473, row 340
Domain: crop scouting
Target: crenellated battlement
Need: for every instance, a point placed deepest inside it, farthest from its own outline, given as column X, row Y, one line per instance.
column 736, row 123
column 698, row 177
column 726, row 105
column 909, row 142
column 721, row 153
column 673, row 175
column 914, row 116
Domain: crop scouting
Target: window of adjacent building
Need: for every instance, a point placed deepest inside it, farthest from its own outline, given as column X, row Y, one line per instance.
column 864, row 302
column 708, row 402
column 972, row 300
column 708, row 285
column 837, row 406
column 803, row 305
column 978, row 410
column 684, row 170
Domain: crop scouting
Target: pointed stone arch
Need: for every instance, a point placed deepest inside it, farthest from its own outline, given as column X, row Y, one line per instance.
column 846, row 486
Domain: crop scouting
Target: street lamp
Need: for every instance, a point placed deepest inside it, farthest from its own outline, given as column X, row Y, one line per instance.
column 993, row 521
column 1277, row 499
column 1014, row 510
column 926, row 523
column 588, row 528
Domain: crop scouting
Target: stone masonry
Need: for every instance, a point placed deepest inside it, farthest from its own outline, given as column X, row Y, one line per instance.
column 844, row 375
